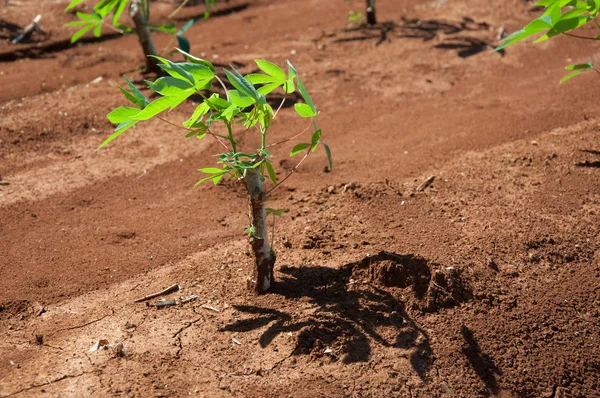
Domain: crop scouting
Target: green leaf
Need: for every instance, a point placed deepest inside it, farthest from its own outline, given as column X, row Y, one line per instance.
column 185, row 27
column 239, row 99
column 174, row 69
column 299, row 148
column 271, row 171
column 77, row 35
column 216, row 175
column 196, row 60
column 316, row 137
column 211, row 170
column 73, row 3
column 199, row 112
column 328, row 152
column 140, row 97
column 265, row 90
column 159, row 105
column 258, row 78
column 271, row 69
column 183, row 43
column 244, row 86
column 118, row 131
column 577, row 69
column 118, row 11
column 302, row 89
column 276, row 212
column 122, row 114
column 304, row 110
column 166, row 28
column 170, row 86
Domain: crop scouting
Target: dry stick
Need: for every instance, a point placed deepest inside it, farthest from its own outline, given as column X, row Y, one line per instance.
column 426, row 183
column 29, row 29
column 170, row 289
column 171, row 15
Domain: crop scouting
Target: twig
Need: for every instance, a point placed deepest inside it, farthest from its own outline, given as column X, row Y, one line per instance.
column 78, row 326
column 208, row 307
column 579, row 37
column 188, row 129
column 183, row 3
column 280, row 105
column 29, row 29
column 291, row 138
column 291, row 172
column 169, row 290
column 426, row 183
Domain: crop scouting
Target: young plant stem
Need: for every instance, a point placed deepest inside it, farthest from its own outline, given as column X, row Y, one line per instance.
column 262, row 277
column 371, row 19
column 143, row 32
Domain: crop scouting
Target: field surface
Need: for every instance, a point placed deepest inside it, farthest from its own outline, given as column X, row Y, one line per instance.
column 486, row 283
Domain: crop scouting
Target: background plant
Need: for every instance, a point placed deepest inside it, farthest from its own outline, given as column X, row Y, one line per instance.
column 139, row 12
column 227, row 120
column 560, row 17
column 359, row 17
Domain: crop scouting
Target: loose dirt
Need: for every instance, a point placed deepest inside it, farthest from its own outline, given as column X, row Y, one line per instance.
column 485, row 283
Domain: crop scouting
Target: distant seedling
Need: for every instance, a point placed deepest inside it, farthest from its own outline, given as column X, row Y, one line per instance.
column 245, row 106
column 139, row 11
column 359, row 18
column 560, row 17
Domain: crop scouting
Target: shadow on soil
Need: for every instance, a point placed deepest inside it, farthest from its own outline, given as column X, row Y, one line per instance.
column 346, row 317
column 8, row 30
column 42, row 50
column 426, row 30
column 481, row 363
column 587, row 163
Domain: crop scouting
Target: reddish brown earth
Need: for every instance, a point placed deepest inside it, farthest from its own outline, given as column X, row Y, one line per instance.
column 486, row 283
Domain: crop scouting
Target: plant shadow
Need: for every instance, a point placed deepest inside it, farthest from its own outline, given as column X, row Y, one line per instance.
column 345, row 319
column 481, row 363
column 8, row 30
column 426, row 30
column 587, row 163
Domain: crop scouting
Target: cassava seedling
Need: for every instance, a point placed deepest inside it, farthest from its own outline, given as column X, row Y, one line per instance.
column 139, row 12
column 560, row 17
column 243, row 109
column 359, row 17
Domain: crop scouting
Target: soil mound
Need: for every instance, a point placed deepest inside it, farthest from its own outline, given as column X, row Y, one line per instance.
column 427, row 287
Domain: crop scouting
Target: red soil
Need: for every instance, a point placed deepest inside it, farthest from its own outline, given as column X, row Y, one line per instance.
column 486, row 283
